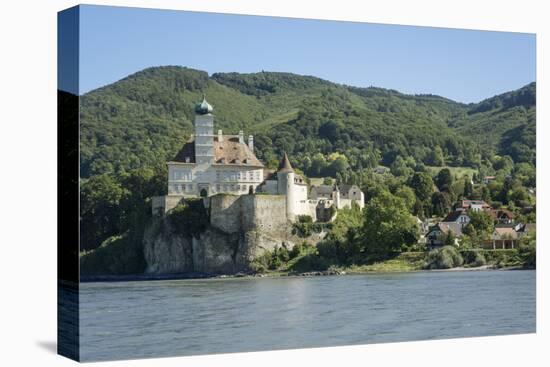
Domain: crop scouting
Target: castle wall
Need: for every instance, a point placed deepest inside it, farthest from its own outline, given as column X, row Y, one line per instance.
column 160, row 205
column 346, row 203
column 226, row 212
column 263, row 212
column 233, row 214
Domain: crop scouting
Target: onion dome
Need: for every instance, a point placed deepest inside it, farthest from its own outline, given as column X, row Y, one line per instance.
column 204, row 107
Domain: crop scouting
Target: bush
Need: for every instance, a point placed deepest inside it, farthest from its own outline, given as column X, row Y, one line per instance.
column 446, row 257
column 479, row 260
column 302, row 229
column 299, row 249
column 528, row 255
column 501, row 257
column 305, row 219
column 327, row 249
column 474, row 258
column 261, row 263
column 189, row 218
column 118, row 255
column 311, row 262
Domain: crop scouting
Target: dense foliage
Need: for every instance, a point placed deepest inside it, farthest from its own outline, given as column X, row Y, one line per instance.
column 444, row 258
column 143, row 119
column 189, row 218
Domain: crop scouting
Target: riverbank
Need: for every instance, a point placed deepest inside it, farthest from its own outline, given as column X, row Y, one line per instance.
column 274, row 274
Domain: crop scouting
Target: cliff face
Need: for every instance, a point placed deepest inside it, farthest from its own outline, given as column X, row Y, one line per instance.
column 241, row 228
column 166, row 252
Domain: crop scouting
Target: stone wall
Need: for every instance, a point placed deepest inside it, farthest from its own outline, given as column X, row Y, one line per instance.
column 233, row 214
column 226, row 212
column 161, row 205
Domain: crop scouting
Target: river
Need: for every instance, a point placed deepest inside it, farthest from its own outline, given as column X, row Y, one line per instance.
column 123, row 320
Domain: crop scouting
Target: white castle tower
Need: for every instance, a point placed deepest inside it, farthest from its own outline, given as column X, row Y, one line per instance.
column 285, row 186
column 204, row 133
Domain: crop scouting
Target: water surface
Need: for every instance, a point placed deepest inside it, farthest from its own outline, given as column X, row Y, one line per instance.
column 184, row 317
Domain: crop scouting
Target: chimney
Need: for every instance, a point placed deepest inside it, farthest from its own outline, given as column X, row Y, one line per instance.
column 220, row 136
column 251, row 142
column 241, row 137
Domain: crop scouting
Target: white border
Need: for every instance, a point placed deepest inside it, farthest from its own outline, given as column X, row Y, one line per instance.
column 28, row 149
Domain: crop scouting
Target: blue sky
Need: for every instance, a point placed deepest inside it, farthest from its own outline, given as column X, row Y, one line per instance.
column 463, row 65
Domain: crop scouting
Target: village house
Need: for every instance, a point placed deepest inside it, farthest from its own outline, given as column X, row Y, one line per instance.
column 423, row 228
column 502, row 238
column 437, row 235
column 525, row 229
column 453, row 223
column 456, row 220
column 474, row 205
column 502, row 216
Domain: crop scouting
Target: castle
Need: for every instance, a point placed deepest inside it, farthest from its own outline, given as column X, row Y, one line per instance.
column 210, row 164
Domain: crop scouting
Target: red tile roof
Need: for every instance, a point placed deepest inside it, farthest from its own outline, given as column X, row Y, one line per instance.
column 229, row 151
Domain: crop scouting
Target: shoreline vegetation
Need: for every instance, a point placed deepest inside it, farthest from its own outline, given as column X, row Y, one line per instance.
column 408, row 262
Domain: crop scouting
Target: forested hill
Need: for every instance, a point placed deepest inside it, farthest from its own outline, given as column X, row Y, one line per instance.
column 327, row 128
column 506, row 122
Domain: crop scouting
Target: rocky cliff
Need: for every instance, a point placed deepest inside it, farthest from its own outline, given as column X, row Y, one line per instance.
column 240, row 229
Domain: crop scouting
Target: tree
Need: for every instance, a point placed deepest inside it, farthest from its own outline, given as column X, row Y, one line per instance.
column 441, row 203
column 436, row 157
column 468, row 187
column 444, row 179
column 527, row 251
column 100, row 211
column 338, row 166
column 408, row 196
column 399, row 168
column 481, row 221
column 450, row 239
column 387, row 225
column 422, row 184
column 318, row 164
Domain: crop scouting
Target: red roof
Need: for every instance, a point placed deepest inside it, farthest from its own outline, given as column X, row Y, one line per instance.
column 228, row 151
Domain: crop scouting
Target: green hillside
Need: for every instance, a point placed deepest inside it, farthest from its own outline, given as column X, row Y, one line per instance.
column 143, row 119
column 505, row 123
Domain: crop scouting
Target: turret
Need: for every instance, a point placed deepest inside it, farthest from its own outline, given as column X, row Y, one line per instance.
column 204, row 132
column 336, row 197
column 285, row 185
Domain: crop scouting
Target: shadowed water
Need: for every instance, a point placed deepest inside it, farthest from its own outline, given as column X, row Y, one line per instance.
column 184, row 317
